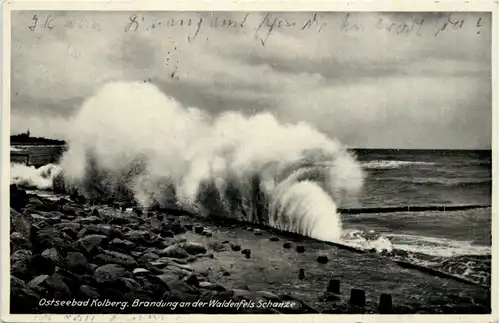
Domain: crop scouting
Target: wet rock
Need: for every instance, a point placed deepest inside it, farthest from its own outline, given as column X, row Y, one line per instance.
column 72, row 280
column 181, row 291
column 37, row 218
column 49, row 237
column 22, row 254
column 86, row 292
column 226, row 273
column 199, row 229
column 110, row 274
column 322, row 259
column 139, row 237
column 188, row 227
column 82, row 233
column 89, row 245
column 16, row 282
column 69, row 210
column 76, row 262
column 218, row 247
column 20, row 223
column 41, row 265
column 178, row 271
column 192, row 280
column 89, row 220
column 235, row 247
column 21, row 269
column 212, row 286
column 119, row 220
column 95, row 212
column 129, row 284
column 174, row 252
column 51, row 286
column 102, row 229
column 140, row 271
column 73, row 234
column 287, row 245
column 19, row 241
column 34, row 284
column 167, row 234
column 149, row 257
column 300, row 249
column 113, row 257
column 122, row 244
column 88, row 279
column 177, row 228
column 274, row 239
column 156, row 225
column 257, row 232
column 194, row 248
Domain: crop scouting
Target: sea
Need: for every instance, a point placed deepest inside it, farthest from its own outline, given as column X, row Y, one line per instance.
column 455, row 242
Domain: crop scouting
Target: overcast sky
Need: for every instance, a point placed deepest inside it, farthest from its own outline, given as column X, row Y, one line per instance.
column 365, row 78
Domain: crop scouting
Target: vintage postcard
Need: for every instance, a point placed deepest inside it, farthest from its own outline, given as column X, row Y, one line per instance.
column 298, row 161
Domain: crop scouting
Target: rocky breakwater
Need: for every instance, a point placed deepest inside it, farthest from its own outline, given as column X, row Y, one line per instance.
column 69, row 257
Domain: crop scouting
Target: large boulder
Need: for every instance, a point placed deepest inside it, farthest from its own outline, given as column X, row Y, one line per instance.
column 49, row 237
column 110, row 274
column 194, row 248
column 89, row 245
column 20, row 223
column 19, row 241
column 51, row 287
column 113, row 257
column 174, row 251
column 76, row 262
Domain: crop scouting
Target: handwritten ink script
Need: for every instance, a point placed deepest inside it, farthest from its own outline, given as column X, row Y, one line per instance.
column 271, row 22
column 263, row 26
column 40, row 22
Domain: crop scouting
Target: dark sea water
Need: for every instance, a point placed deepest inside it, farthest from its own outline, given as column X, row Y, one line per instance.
column 425, row 177
column 457, row 242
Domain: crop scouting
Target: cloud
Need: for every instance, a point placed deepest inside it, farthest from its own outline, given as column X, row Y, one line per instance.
column 386, row 85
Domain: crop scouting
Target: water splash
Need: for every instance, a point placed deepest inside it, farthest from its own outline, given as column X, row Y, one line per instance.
column 130, row 140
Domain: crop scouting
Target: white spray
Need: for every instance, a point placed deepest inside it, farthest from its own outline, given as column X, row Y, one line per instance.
column 130, row 138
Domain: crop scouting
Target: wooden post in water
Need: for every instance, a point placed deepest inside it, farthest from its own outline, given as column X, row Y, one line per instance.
column 333, row 286
column 385, row 304
column 358, row 297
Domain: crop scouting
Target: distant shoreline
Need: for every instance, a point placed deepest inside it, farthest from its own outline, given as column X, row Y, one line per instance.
column 45, row 143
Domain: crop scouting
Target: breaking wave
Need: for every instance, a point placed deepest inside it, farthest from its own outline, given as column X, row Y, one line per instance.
column 391, row 164
column 130, row 140
column 35, row 178
column 459, row 258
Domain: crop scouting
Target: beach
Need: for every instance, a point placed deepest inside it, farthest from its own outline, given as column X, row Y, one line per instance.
column 194, row 258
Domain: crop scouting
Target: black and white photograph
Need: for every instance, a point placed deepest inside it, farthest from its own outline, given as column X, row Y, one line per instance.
column 231, row 162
